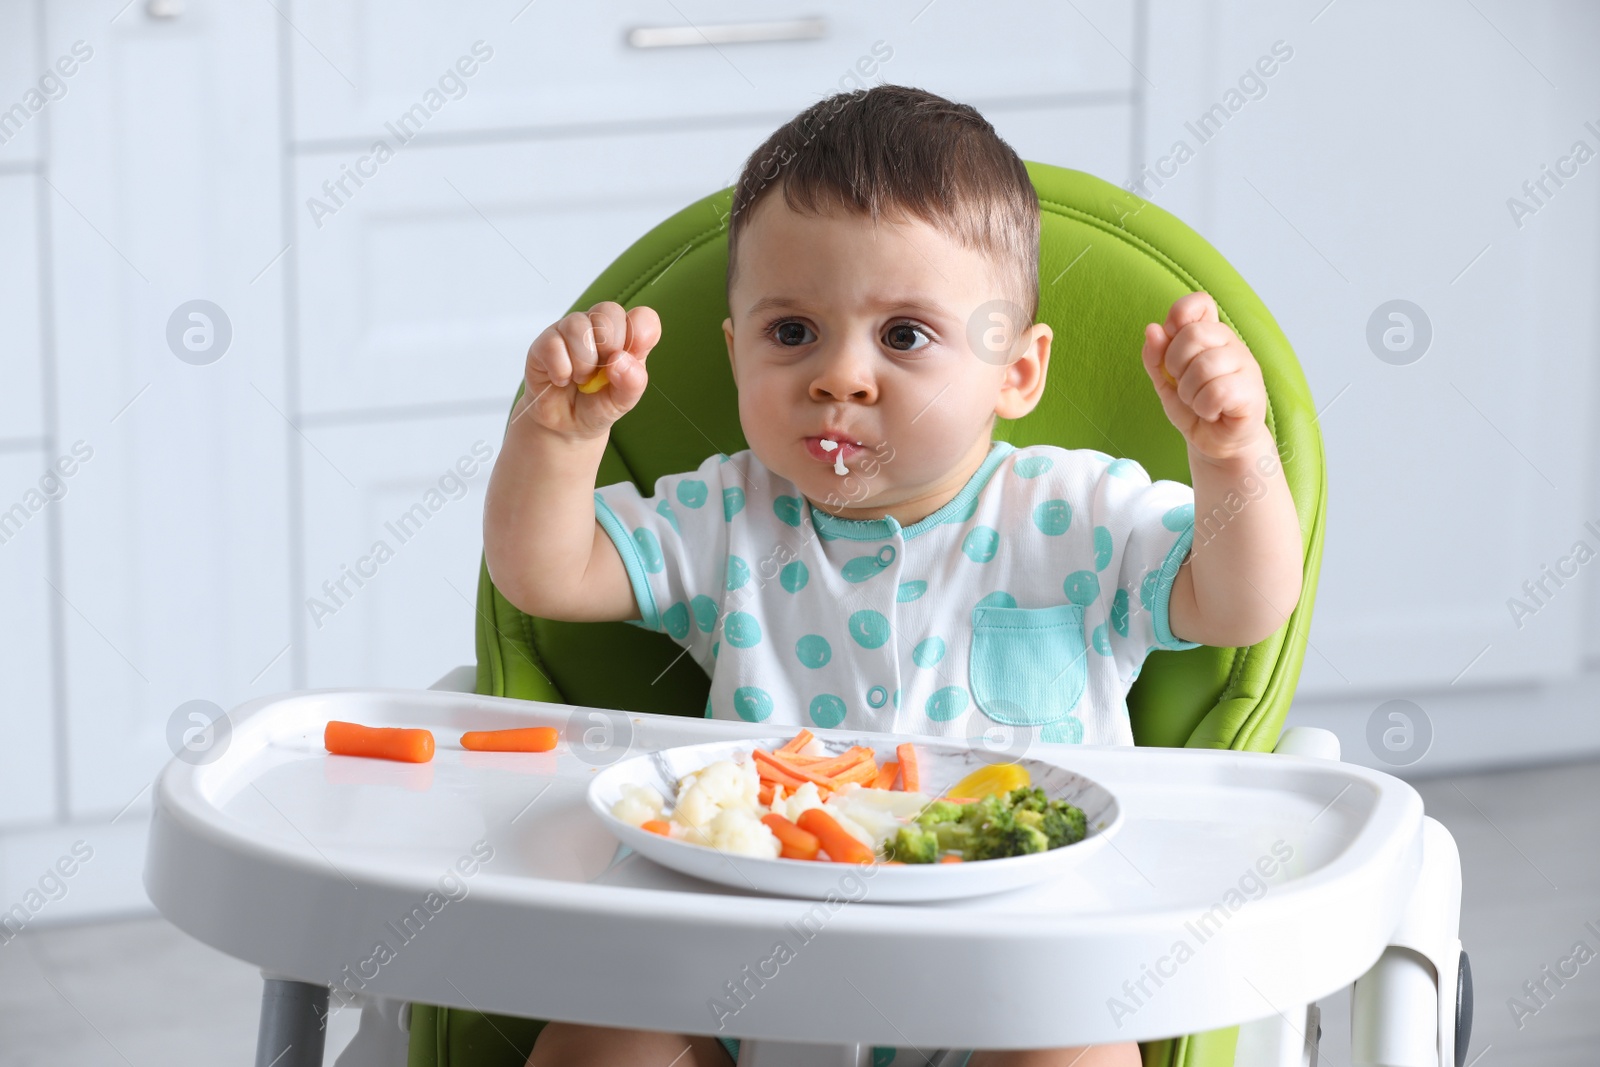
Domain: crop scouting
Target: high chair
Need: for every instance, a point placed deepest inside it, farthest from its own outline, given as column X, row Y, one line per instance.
column 1109, row 263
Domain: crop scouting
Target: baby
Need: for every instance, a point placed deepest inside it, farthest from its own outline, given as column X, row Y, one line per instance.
column 876, row 559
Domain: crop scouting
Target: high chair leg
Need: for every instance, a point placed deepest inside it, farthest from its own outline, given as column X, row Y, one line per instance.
column 291, row 1033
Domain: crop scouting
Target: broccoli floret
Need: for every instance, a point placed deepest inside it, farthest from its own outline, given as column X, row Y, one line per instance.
column 1063, row 824
column 912, row 844
column 1016, row 839
column 1029, row 798
column 954, row 836
column 940, row 811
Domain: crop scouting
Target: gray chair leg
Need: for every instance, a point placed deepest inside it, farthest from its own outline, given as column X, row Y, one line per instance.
column 292, row 1024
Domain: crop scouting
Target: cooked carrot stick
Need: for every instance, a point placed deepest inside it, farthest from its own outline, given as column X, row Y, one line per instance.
column 796, row 743
column 908, row 766
column 768, row 773
column 840, row 845
column 526, row 739
column 383, row 742
column 797, row 844
column 657, row 826
column 950, row 857
column 865, row 772
column 834, row 764
column 887, row 774
column 765, row 793
column 821, row 781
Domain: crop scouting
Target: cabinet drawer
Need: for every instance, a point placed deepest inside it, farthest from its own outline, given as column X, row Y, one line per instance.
column 430, row 282
column 358, row 67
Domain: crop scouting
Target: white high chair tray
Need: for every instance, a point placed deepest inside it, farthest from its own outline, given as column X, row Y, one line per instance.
column 1241, row 884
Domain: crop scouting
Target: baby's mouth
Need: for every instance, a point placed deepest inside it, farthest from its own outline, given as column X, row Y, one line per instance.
column 833, row 450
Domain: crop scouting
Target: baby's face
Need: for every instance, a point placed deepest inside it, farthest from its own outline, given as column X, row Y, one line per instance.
column 858, row 333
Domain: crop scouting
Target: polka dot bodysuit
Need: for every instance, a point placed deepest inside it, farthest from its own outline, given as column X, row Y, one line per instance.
column 1030, row 599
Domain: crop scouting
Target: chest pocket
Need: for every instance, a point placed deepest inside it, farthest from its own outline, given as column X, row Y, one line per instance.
column 1027, row 666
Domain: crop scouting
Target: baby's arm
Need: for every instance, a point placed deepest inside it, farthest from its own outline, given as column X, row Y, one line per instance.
column 1243, row 575
column 545, row 552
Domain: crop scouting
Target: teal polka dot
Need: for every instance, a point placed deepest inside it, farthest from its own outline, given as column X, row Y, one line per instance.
column 827, row 710
column 1101, row 640
column 1127, row 468
column 1082, row 587
column 1119, row 612
column 732, row 502
column 1068, row 731
column 691, row 492
column 1032, row 466
column 929, row 650
column 869, row 628
column 705, row 613
column 1147, row 589
column 945, row 704
column 787, row 508
column 813, row 650
column 980, row 543
column 861, row 568
column 895, row 698
column 910, row 591
column 664, row 508
column 877, row 696
column 741, row 629
column 722, row 457
column 649, row 550
column 676, row 620
column 752, row 702
column 997, row 599
column 967, row 508
column 714, row 646
column 708, row 705
column 1102, row 548
column 738, row 572
column 1101, row 456
column 794, row 576
column 1052, row 517
column 1179, row 518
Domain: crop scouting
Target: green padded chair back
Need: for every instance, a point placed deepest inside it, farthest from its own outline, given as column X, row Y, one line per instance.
column 1109, row 262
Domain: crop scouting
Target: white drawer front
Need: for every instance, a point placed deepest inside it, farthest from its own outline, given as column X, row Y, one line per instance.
column 360, row 66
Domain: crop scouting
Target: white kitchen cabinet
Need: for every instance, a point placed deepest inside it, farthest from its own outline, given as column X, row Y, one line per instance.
column 358, row 67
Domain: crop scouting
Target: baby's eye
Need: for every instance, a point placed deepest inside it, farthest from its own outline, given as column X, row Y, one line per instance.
column 902, row 337
column 791, row 333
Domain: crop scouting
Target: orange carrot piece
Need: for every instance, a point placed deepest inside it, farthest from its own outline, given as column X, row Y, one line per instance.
column 769, row 773
column 795, row 743
column 840, row 845
column 797, row 844
column 887, row 774
column 381, row 742
column 834, row 764
column 657, row 826
column 526, row 739
column 866, row 773
column 950, row 857
column 908, row 766
column 765, row 793
column 780, row 764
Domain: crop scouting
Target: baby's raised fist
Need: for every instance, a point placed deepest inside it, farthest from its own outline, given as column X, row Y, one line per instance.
column 587, row 370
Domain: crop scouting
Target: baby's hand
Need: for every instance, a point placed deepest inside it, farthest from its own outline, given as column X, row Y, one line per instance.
column 1209, row 383
column 567, row 357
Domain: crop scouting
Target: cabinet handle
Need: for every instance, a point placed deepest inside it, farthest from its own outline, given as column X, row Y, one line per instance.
column 728, row 33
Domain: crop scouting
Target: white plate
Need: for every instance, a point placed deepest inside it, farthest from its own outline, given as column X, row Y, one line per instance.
column 941, row 766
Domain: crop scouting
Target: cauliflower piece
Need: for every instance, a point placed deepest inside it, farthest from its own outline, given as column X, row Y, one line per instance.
column 738, row 831
column 639, row 804
column 804, row 798
column 715, row 787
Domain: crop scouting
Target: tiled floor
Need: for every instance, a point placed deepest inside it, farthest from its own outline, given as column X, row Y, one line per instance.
column 137, row 993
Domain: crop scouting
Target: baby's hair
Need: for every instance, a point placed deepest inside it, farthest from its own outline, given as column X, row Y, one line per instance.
column 898, row 152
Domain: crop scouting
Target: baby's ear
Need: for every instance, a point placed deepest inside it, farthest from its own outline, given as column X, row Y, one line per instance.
column 727, row 335
column 1023, row 384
